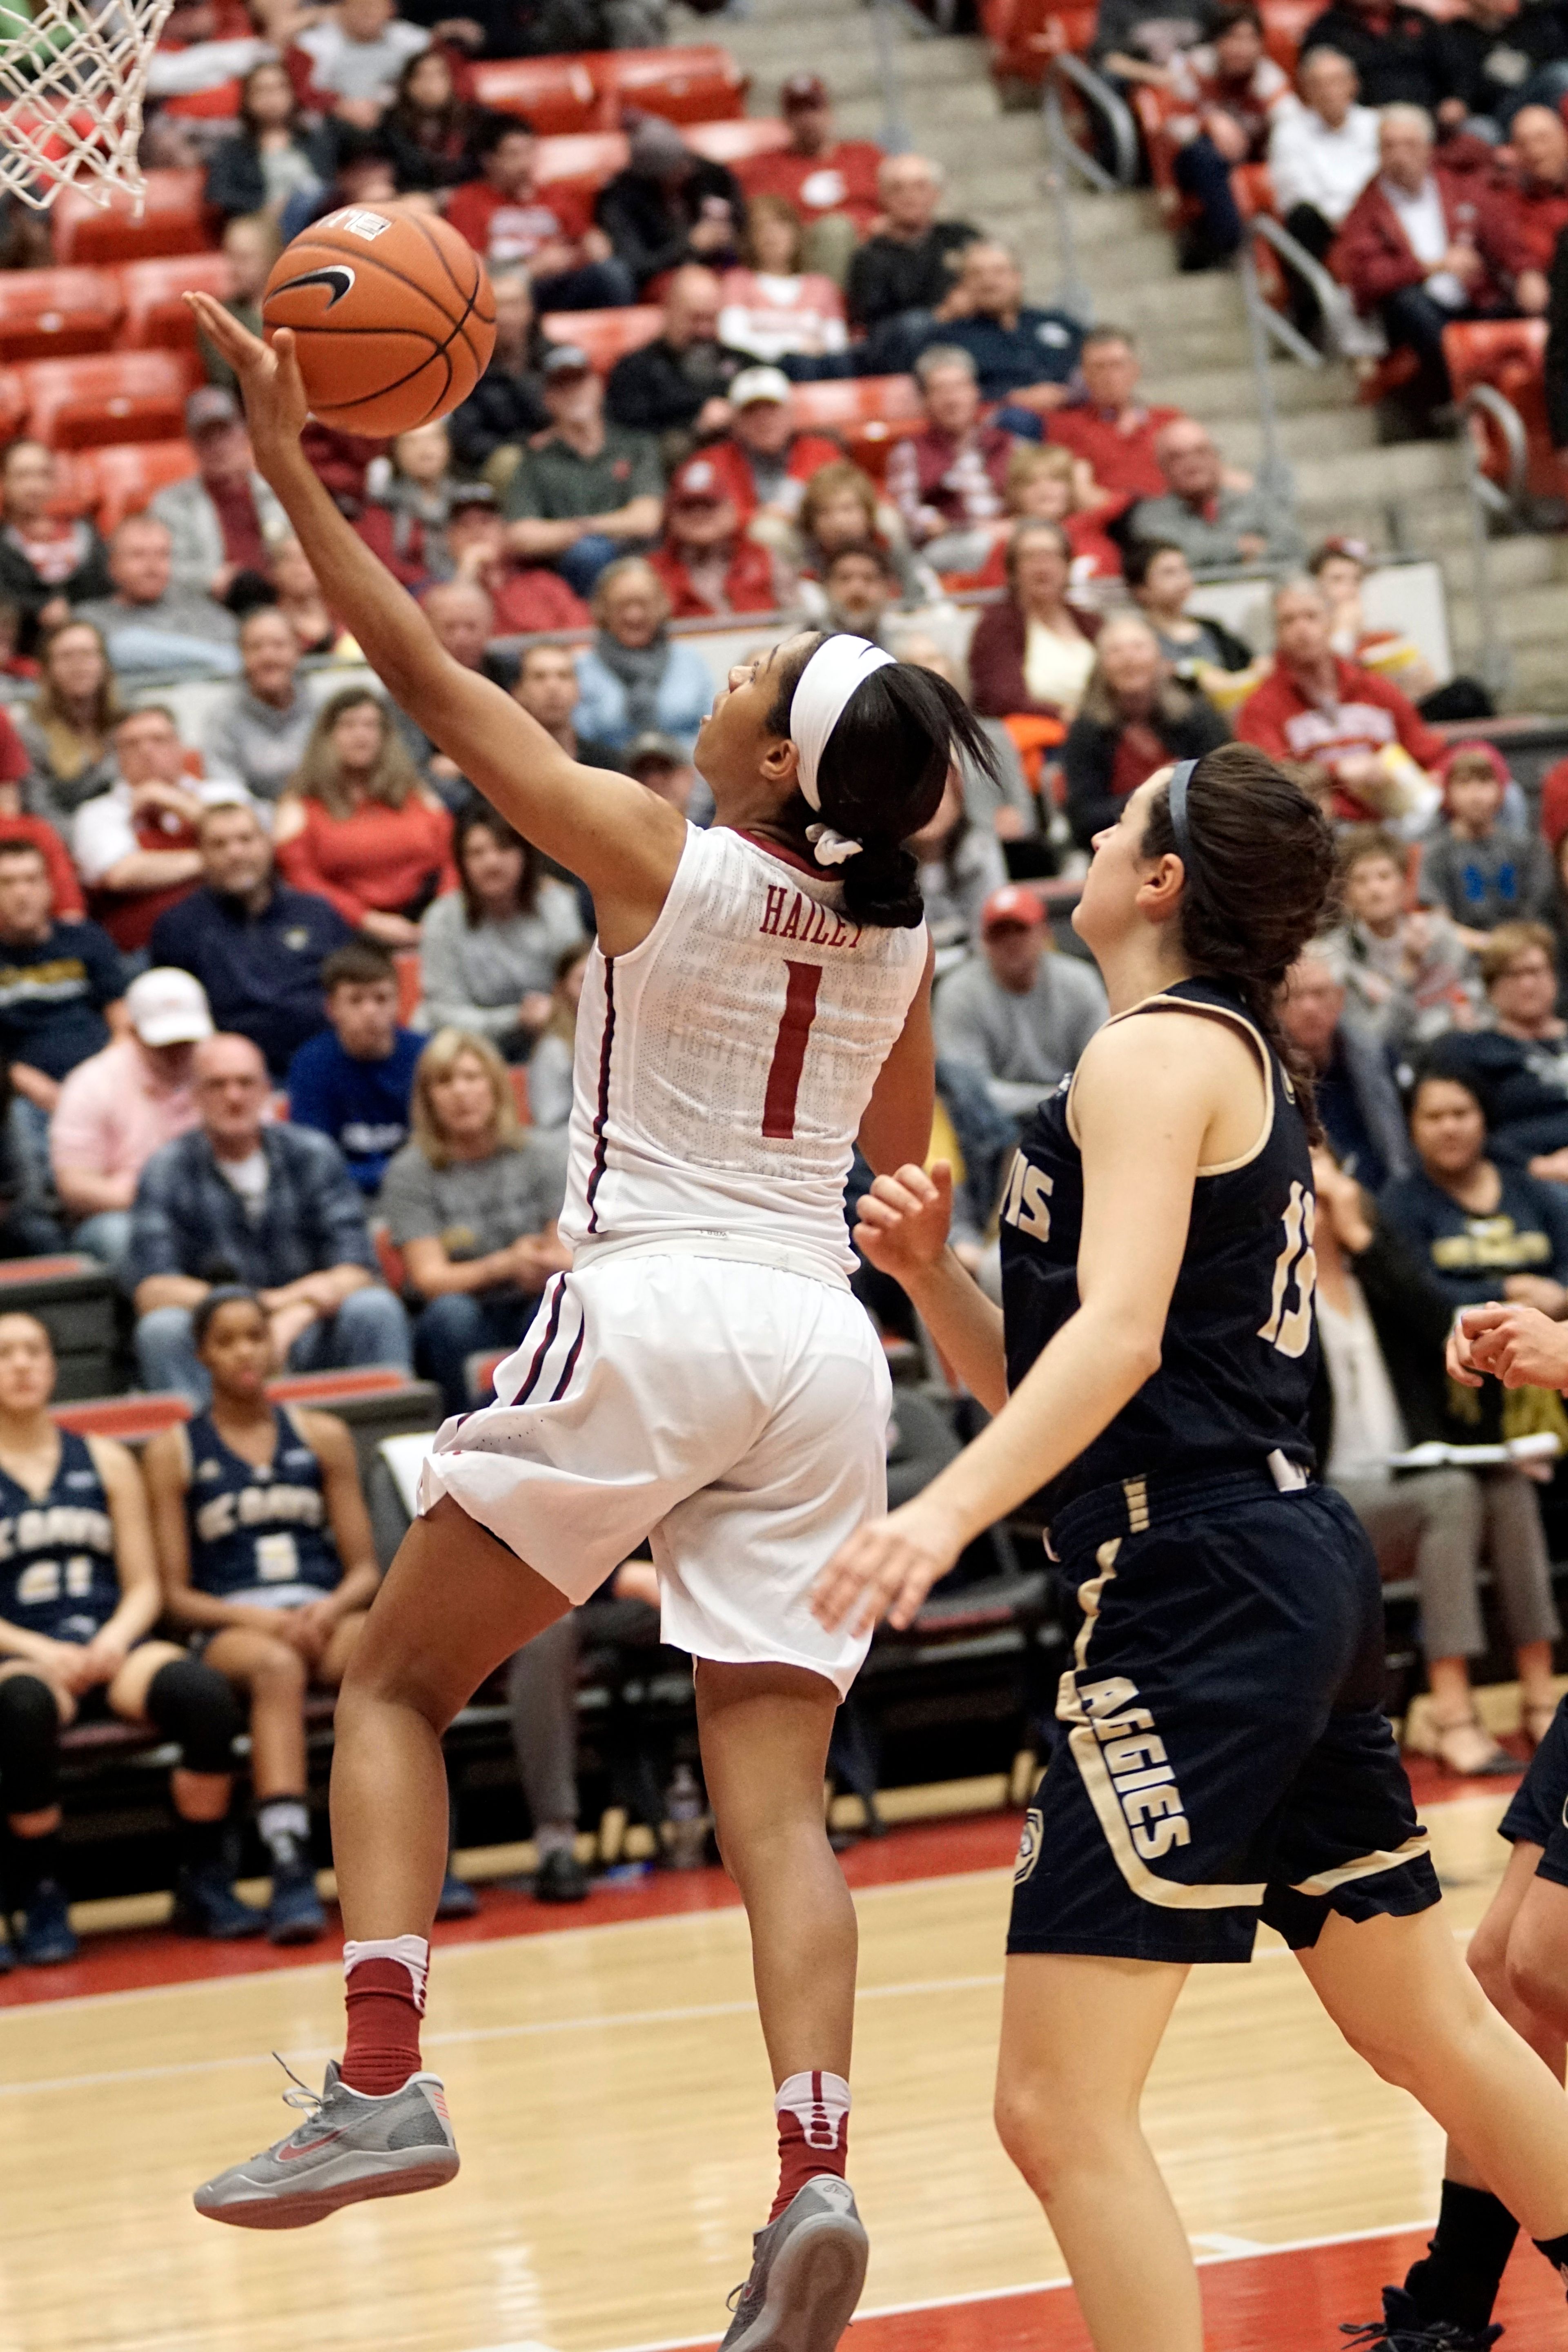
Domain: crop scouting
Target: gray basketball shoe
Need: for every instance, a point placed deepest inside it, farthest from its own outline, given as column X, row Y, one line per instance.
column 348, row 2147
column 807, row 2270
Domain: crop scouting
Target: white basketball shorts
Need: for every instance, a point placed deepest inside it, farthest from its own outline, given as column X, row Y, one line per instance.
column 735, row 1413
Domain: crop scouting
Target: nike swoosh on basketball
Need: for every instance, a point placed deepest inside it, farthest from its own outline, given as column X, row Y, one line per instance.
column 338, row 275
column 286, row 2155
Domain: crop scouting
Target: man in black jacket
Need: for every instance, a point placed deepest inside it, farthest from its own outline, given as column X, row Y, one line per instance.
column 507, row 405
column 1392, row 48
column 669, row 206
column 903, row 274
column 678, row 386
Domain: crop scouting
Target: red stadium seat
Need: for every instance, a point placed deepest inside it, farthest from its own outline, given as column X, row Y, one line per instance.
column 555, row 94
column 12, row 402
column 581, row 165
column 117, row 396
column 128, row 1418
column 218, row 104
column 156, row 318
column 737, row 142
column 605, row 335
column 128, row 475
column 173, row 220
column 700, row 84
column 858, row 400
column 1508, row 355
column 1284, row 23
column 57, row 313
column 76, row 483
column 1020, row 30
column 410, row 985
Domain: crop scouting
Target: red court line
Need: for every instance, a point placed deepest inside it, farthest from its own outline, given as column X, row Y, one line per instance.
column 133, row 1960
column 1290, row 2301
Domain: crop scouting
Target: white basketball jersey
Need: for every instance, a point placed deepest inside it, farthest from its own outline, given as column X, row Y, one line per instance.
column 724, row 1065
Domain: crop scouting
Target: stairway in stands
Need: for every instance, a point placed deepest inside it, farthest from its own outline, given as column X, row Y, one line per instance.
column 1406, row 497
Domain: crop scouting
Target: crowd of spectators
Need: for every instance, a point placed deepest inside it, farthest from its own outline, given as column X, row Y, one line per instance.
column 287, row 1012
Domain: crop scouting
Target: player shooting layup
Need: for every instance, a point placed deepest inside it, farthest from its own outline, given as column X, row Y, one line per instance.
column 759, row 997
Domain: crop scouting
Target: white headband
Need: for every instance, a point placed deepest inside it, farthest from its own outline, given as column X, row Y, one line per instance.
column 838, row 665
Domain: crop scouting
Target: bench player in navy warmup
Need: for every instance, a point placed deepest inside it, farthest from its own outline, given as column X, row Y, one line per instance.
column 1222, row 1755
column 703, row 1376
column 78, row 1596
column 269, row 1560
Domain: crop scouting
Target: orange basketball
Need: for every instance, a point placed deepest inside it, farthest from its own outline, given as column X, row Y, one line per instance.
column 393, row 314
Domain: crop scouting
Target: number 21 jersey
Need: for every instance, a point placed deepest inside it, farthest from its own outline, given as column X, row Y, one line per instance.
column 723, row 1066
column 1239, row 1351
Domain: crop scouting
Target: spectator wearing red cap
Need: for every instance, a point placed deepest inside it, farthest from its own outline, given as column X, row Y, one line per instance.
column 831, row 182
column 1018, row 1015
column 949, row 481
column 1366, row 737
column 1524, row 211
column 708, row 565
column 764, row 461
column 1109, row 426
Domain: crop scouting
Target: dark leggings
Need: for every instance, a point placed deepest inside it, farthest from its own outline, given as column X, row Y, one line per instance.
column 186, row 1701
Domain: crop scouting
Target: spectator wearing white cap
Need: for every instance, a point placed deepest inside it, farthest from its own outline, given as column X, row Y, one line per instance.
column 121, row 1105
column 764, row 460
column 223, row 517
column 1019, row 1015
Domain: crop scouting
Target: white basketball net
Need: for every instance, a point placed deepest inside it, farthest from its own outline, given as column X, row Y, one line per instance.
column 72, row 86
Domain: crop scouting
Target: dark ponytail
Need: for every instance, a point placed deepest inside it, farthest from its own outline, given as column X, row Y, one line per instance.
column 1259, row 883
column 882, row 775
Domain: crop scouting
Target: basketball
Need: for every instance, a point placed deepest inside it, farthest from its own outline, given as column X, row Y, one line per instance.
column 393, row 315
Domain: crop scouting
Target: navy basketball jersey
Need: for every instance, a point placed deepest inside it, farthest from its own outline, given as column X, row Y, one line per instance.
column 58, row 1575
column 1239, row 1351
column 259, row 1533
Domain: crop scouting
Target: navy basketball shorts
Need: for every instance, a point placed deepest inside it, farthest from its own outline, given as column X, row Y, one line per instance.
column 1539, row 1813
column 1222, row 1755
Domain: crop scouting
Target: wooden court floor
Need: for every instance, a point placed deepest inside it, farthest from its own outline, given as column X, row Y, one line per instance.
column 612, row 2109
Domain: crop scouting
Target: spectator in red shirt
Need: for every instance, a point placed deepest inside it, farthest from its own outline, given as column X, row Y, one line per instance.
column 1355, row 728
column 18, row 825
column 359, row 828
column 1050, row 485
column 1408, row 250
column 571, row 265
column 524, row 597
column 1109, row 426
column 948, row 481
column 708, row 565
column 764, row 462
column 831, row 182
column 1522, row 212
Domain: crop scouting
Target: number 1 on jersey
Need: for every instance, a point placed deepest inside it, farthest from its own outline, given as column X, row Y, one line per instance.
column 789, row 1049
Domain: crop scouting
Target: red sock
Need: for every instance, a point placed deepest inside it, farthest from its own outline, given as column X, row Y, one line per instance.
column 813, row 2113
column 386, row 2000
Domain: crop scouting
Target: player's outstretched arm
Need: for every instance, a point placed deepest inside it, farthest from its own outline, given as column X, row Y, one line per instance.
column 1518, row 1345
column 901, row 1226
column 625, row 844
column 1142, row 1112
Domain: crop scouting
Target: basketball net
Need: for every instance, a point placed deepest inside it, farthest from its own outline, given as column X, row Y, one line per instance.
column 73, row 74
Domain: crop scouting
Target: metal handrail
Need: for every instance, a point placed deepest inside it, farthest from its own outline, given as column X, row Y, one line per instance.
column 1105, row 102
column 1486, row 499
column 1327, row 292
column 1503, row 497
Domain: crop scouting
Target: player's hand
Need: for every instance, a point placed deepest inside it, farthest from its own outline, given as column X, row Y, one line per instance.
column 901, row 1223
column 314, row 1626
column 104, row 1654
column 885, row 1569
column 1518, row 1345
column 70, row 1664
column 270, row 384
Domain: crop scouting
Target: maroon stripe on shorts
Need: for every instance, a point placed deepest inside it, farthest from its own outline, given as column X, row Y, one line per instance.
column 564, row 1382
column 601, row 1145
column 545, row 1344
